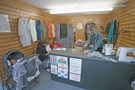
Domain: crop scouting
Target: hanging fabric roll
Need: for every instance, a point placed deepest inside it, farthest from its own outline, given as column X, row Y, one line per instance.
column 24, row 33
column 44, row 30
column 32, row 28
column 63, row 30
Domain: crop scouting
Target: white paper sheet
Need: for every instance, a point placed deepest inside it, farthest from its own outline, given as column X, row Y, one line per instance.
column 54, row 69
column 64, row 49
column 62, row 60
column 75, row 62
column 63, row 74
column 4, row 23
column 74, row 69
column 75, row 77
column 63, row 67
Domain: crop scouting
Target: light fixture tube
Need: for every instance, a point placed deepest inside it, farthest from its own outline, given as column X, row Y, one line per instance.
column 79, row 10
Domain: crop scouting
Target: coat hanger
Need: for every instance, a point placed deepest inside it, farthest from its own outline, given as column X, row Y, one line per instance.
column 31, row 17
column 22, row 15
column 80, row 20
column 51, row 21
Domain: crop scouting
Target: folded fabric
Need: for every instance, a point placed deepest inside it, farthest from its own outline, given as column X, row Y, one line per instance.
column 79, row 43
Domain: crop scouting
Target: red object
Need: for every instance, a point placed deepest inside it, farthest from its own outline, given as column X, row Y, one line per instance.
column 58, row 45
column 62, row 67
column 74, row 37
column 62, row 59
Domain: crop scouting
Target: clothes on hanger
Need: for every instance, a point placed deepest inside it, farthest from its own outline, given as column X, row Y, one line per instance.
column 32, row 28
column 110, row 34
column 50, row 30
column 85, row 32
column 87, row 29
column 79, row 25
column 44, row 30
column 24, row 33
column 108, row 27
column 38, row 29
column 114, row 31
column 53, row 29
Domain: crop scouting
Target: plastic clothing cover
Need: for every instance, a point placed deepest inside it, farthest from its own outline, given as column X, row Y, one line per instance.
column 17, row 73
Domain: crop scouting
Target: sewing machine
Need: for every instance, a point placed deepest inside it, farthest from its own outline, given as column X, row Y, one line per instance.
column 107, row 49
column 121, row 54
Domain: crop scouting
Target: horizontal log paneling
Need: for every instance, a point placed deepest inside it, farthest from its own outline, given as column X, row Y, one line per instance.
column 100, row 20
column 11, row 40
column 126, row 22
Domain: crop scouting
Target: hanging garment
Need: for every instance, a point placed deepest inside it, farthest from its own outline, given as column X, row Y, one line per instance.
column 73, row 30
column 63, row 30
column 85, row 32
column 32, row 28
column 108, row 27
column 44, row 30
column 109, row 36
column 88, row 31
column 38, row 30
column 115, row 27
column 53, row 29
column 50, row 30
column 24, row 33
column 79, row 26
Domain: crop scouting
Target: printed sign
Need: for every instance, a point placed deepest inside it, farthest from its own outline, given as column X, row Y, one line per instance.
column 62, row 74
column 76, row 62
column 4, row 23
column 54, row 69
column 75, row 77
column 53, row 59
column 75, row 69
column 62, row 60
column 63, row 67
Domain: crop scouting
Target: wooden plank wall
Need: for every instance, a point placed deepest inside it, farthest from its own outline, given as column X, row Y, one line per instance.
column 11, row 40
column 126, row 18
column 100, row 20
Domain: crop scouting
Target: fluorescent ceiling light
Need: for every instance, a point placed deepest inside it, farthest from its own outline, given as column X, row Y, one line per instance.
column 79, row 10
column 96, row 13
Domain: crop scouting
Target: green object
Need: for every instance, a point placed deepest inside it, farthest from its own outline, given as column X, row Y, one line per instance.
column 63, row 62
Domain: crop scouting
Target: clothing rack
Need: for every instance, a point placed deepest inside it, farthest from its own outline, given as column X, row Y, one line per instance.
column 113, row 18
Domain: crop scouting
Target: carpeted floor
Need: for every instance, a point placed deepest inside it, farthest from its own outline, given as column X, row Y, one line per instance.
column 47, row 84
